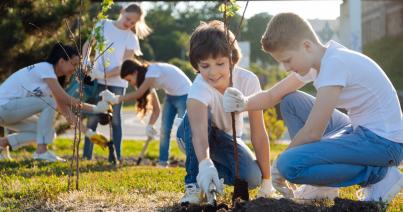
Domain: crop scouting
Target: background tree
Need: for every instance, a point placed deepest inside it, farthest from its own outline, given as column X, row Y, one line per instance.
column 255, row 27
column 22, row 43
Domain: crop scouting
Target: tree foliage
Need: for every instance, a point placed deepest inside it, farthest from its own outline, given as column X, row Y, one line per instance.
column 275, row 127
column 255, row 27
column 30, row 28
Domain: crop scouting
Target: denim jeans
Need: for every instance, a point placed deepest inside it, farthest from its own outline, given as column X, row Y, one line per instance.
column 31, row 118
column 222, row 154
column 93, row 120
column 172, row 105
column 343, row 157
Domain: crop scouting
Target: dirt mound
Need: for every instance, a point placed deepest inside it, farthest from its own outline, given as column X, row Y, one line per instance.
column 286, row 205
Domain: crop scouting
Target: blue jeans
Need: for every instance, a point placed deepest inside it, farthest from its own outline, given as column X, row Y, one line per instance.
column 172, row 105
column 93, row 120
column 222, row 153
column 343, row 157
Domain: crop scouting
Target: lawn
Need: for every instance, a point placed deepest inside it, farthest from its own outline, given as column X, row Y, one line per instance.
column 31, row 185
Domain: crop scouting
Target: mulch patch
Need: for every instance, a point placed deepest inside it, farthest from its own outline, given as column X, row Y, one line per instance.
column 286, row 205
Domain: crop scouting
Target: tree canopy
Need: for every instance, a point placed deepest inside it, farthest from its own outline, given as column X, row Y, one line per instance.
column 30, row 28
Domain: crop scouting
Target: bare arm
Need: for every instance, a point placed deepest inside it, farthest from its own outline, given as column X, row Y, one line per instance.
column 116, row 70
column 273, row 96
column 86, row 51
column 147, row 84
column 260, row 142
column 319, row 117
column 198, row 118
column 156, row 108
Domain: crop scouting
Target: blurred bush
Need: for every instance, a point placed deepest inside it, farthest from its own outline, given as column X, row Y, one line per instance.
column 274, row 126
column 387, row 52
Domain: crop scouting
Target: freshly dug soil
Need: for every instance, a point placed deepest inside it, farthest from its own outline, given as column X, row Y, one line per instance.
column 262, row 204
column 286, row 205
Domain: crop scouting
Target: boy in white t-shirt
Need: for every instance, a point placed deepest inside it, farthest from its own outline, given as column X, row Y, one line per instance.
column 206, row 130
column 329, row 148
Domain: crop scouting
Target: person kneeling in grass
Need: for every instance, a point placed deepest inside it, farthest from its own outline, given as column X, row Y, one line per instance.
column 30, row 96
column 330, row 149
column 206, row 130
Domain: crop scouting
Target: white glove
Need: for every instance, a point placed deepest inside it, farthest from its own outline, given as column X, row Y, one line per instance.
column 100, row 107
column 95, row 74
column 109, row 97
column 266, row 189
column 151, row 131
column 89, row 133
column 234, row 100
column 279, row 182
column 208, row 174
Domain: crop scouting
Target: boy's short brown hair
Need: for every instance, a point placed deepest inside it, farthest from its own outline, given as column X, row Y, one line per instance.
column 209, row 40
column 286, row 31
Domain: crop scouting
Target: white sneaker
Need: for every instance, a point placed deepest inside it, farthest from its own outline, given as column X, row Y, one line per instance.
column 5, row 154
column 309, row 192
column 192, row 194
column 386, row 189
column 48, row 156
column 162, row 165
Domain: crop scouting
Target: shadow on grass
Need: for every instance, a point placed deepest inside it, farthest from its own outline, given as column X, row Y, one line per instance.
column 30, row 168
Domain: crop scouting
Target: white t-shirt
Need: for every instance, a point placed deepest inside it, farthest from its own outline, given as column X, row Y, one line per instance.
column 169, row 78
column 368, row 95
column 27, row 82
column 244, row 80
column 121, row 41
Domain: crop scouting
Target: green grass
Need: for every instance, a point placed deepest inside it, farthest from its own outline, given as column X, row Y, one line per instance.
column 27, row 184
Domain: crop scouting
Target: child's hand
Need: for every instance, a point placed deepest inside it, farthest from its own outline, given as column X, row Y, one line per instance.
column 266, row 189
column 97, row 75
column 234, row 100
column 279, row 182
column 208, row 174
column 151, row 131
column 100, row 107
column 109, row 97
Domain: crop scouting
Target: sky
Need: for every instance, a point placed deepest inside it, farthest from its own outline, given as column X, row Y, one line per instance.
column 309, row 9
column 324, row 9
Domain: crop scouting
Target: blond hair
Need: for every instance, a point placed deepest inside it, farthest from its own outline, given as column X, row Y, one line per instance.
column 141, row 28
column 286, row 31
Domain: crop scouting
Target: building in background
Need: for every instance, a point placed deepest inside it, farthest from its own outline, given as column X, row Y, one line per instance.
column 378, row 19
column 381, row 19
column 326, row 29
column 245, row 49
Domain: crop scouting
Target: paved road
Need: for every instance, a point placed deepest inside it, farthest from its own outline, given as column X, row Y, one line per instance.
column 133, row 128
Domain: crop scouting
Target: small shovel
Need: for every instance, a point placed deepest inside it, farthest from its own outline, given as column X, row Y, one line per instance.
column 143, row 151
column 240, row 186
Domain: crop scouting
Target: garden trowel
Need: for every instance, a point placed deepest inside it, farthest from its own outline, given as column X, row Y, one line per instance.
column 211, row 195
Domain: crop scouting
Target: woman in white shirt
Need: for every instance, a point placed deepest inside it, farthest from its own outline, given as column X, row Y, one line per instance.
column 145, row 77
column 123, row 44
column 29, row 99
